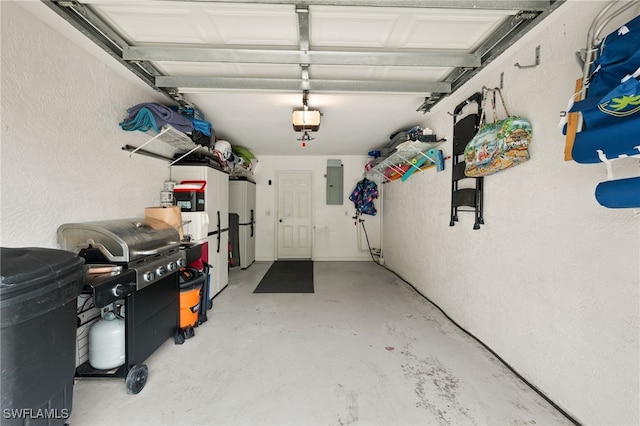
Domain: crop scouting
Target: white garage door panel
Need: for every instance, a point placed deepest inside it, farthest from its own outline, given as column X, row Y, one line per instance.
column 202, row 23
column 402, row 28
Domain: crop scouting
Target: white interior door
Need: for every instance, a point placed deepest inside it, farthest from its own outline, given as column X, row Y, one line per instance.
column 294, row 215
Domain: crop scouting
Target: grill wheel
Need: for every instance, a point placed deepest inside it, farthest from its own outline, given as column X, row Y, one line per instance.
column 136, row 378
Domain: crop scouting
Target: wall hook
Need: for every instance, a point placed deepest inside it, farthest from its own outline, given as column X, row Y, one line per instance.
column 517, row 65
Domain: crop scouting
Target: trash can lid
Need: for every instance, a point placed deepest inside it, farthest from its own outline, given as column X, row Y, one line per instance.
column 34, row 281
column 30, row 269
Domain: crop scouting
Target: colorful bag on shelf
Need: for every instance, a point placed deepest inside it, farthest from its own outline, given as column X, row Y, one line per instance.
column 499, row 145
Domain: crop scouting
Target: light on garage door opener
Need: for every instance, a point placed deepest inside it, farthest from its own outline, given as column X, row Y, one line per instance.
column 306, row 120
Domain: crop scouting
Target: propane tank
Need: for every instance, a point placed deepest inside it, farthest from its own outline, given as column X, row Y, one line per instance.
column 106, row 342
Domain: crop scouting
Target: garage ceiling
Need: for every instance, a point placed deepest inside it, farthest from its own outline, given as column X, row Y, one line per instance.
column 371, row 67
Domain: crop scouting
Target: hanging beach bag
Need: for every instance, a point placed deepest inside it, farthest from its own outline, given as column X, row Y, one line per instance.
column 499, row 145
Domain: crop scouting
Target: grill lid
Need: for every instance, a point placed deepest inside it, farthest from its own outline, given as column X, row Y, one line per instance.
column 120, row 240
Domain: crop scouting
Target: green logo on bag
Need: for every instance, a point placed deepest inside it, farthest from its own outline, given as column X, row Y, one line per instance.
column 623, row 106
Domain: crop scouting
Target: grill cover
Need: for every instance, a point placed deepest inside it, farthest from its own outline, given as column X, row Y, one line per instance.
column 120, row 240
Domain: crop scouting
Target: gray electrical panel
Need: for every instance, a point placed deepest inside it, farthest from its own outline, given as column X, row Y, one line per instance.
column 335, row 182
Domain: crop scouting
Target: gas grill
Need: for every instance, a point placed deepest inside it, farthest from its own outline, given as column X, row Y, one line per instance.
column 148, row 246
column 141, row 257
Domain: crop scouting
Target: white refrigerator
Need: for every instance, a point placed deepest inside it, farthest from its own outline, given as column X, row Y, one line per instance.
column 216, row 204
column 242, row 201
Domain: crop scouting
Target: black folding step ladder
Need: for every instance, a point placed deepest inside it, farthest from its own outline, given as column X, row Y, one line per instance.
column 465, row 191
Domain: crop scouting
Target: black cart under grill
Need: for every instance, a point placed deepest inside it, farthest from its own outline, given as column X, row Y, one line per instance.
column 147, row 254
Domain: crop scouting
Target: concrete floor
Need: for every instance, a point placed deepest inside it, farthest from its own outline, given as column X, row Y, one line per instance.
column 364, row 349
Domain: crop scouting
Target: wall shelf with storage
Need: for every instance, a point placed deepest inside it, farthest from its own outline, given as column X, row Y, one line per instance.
column 409, row 157
column 178, row 140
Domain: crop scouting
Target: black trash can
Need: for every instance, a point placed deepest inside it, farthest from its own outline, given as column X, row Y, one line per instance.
column 38, row 292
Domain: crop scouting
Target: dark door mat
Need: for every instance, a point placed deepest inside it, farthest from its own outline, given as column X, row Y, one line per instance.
column 288, row 276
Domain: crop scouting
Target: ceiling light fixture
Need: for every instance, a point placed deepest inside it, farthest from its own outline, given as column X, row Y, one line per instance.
column 305, row 119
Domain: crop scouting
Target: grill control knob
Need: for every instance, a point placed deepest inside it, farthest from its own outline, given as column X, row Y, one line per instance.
column 118, row 290
column 161, row 271
column 182, row 262
column 171, row 266
column 148, row 276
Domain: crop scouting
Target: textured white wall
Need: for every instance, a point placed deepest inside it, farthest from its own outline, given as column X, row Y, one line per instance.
column 334, row 234
column 551, row 282
column 61, row 144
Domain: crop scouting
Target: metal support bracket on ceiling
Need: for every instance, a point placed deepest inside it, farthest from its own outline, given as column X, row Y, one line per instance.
column 310, row 57
column 429, row 102
column 537, row 61
column 303, row 34
column 305, row 77
column 316, row 85
column 303, row 27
